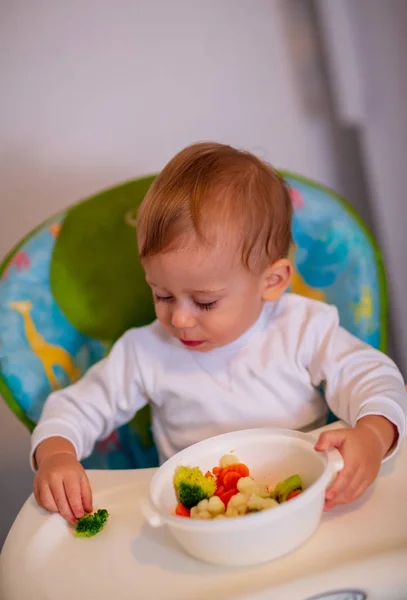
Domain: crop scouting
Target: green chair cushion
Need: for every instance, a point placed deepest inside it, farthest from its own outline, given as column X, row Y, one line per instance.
column 96, row 277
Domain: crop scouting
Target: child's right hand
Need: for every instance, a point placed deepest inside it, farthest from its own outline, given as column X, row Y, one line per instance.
column 61, row 484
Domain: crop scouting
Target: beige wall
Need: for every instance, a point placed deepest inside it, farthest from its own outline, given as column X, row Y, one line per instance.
column 100, row 91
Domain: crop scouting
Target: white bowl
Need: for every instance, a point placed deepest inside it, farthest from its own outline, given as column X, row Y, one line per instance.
column 271, row 455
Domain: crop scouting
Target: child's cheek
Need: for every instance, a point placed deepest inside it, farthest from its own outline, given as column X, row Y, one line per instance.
column 161, row 313
column 223, row 324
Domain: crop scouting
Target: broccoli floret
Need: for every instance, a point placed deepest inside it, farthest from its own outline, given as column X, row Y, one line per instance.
column 192, row 486
column 284, row 488
column 90, row 525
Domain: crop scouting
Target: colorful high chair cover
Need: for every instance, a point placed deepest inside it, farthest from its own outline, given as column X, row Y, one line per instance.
column 74, row 285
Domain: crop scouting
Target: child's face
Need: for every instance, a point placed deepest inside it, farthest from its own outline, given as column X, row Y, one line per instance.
column 205, row 297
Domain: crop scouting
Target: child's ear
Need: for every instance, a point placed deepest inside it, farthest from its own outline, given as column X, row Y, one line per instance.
column 276, row 279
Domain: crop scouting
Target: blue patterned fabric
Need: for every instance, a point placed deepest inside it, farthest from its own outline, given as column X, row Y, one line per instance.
column 335, row 258
column 41, row 351
column 26, row 302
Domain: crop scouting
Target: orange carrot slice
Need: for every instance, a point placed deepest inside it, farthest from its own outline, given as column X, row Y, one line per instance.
column 219, row 490
column 293, row 494
column 230, row 480
column 240, row 468
column 226, row 496
column 182, row 511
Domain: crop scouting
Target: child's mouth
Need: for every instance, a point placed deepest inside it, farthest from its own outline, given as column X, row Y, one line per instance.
column 191, row 344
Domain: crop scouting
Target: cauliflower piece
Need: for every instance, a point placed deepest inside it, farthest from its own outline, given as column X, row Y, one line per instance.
column 194, row 513
column 203, row 514
column 261, row 489
column 238, row 499
column 231, row 512
column 215, row 506
column 227, row 460
column 258, row 503
column 246, row 485
column 219, row 517
column 238, row 503
column 203, row 505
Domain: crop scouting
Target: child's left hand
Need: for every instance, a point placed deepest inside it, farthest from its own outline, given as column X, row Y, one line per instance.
column 363, row 448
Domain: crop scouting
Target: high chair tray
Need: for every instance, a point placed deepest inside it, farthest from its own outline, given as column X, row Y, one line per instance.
column 359, row 548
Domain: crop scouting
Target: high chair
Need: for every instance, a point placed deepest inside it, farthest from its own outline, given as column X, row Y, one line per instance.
column 74, row 284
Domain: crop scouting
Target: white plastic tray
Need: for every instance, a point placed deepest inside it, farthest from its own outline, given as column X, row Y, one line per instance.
column 363, row 546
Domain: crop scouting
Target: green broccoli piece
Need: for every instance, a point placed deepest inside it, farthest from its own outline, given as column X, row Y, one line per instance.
column 284, row 488
column 192, row 486
column 90, row 525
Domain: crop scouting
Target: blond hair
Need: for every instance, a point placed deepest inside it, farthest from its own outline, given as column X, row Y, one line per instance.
column 214, row 185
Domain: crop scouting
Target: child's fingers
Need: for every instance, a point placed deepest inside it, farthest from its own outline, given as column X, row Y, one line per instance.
column 348, row 493
column 44, row 497
column 355, row 489
column 36, row 492
column 331, row 439
column 86, row 493
column 58, row 491
column 361, row 489
column 341, row 483
column 73, row 494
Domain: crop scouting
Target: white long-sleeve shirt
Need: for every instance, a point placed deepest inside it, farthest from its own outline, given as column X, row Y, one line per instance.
column 268, row 377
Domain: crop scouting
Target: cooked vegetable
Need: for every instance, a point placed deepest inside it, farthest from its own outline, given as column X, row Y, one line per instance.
column 294, row 494
column 208, row 509
column 256, row 503
column 237, row 505
column 226, row 496
column 182, row 511
column 216, row 506
column 192, row 486
column 239, row 468
column 286, row 487
column 228, row 491
column 227, row 460
column 230, row 480
column 246, row 485
column 90, row 525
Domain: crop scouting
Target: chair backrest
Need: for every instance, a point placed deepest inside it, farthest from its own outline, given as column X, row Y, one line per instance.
column 74, row 285
column 337, row 260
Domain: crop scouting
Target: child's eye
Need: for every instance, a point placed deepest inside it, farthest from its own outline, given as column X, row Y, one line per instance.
column 163, row 298
column 206, row 305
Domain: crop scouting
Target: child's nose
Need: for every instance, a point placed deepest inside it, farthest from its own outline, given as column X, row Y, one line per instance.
column 182, row 319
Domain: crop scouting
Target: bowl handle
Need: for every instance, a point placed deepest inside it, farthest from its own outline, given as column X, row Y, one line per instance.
column 335, row 462
column 150, row 513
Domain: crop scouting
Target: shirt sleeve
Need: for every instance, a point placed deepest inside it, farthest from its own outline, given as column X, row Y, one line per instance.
column 358, row 380
column 108, row 396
